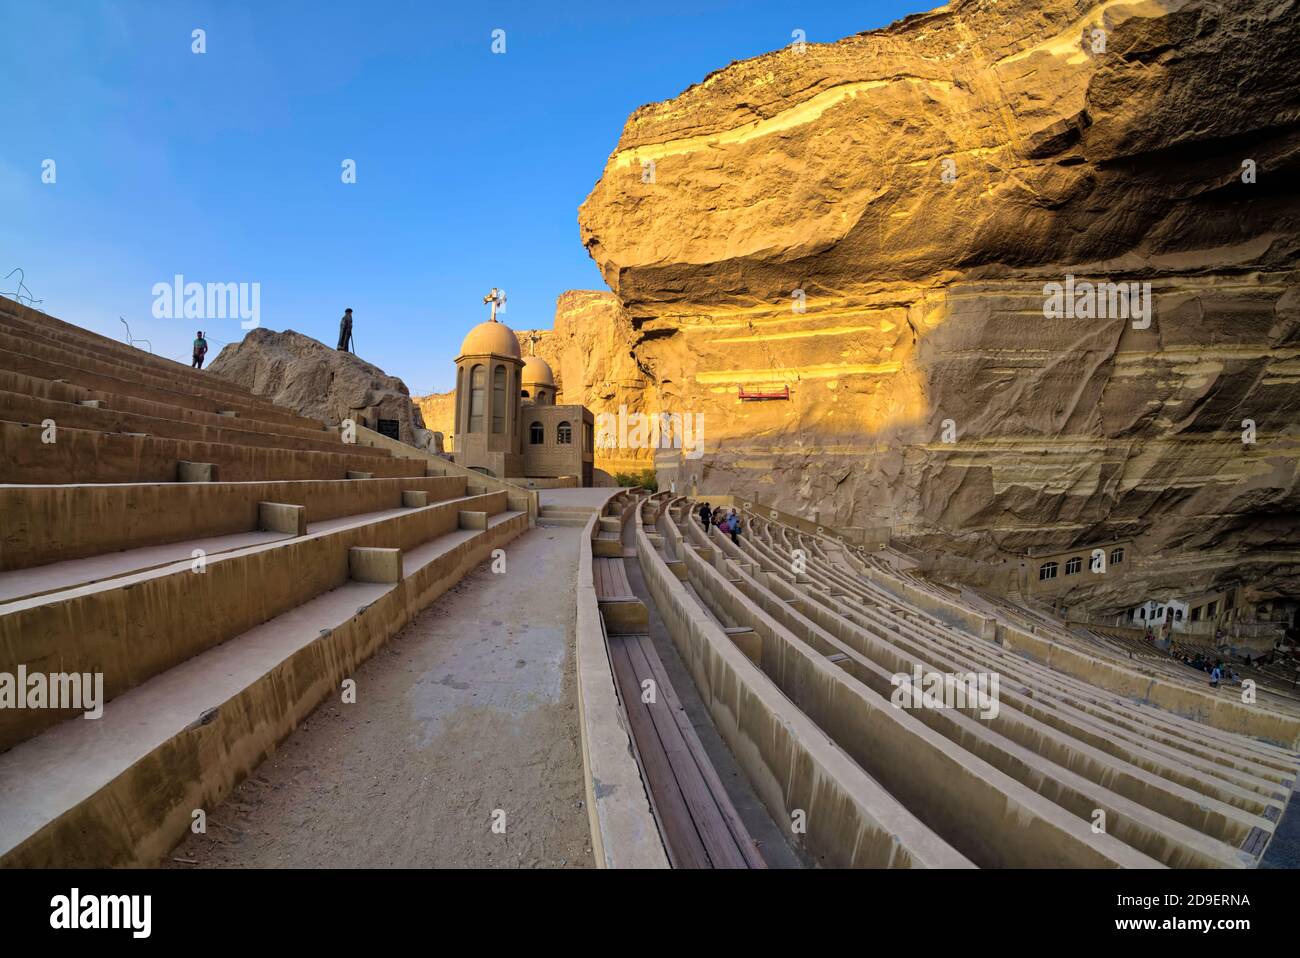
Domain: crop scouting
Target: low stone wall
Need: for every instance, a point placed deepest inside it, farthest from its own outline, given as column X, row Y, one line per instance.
column 623, row 829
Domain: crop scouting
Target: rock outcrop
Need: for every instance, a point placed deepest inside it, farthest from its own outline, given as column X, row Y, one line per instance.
column 876, row 224
column 305, row 375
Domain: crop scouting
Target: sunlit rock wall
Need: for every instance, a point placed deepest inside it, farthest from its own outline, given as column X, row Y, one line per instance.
column 872, row 223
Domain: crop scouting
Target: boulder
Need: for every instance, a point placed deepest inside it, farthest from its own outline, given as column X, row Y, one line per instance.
column 314, row 380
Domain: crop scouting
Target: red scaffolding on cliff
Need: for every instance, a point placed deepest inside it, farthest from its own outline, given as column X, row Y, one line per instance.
column 749, row 395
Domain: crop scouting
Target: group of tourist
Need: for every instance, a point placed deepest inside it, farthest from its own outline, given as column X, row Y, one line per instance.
column 1219, row 670
column 728, row 522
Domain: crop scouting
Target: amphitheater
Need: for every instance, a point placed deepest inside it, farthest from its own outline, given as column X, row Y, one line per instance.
column 228, row 566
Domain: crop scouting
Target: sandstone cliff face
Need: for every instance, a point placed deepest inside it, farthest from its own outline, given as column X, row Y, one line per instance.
column 438, row 410
column 302, row 374
column 873, row 223
column 590, row 351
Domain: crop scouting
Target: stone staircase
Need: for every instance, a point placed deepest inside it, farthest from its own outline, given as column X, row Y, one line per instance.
column 220, row 564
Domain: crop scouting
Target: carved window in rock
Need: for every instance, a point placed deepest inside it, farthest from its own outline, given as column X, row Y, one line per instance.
column 536, row 434
column 564, row 434
column 1116, row 556
column 1073, row 566
column 1046, row 571
column 477, row 384
column 499, row 399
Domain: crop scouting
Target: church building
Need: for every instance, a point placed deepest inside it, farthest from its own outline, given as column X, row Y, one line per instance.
column 508, row 424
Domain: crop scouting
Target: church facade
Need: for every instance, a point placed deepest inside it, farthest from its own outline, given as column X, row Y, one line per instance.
column 508, row 424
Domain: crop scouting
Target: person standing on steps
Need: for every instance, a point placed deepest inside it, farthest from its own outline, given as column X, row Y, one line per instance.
column 200, row 350
column 345, row 331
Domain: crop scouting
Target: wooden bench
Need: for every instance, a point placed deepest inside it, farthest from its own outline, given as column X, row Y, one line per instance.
column 700, row 825
column 623, row 612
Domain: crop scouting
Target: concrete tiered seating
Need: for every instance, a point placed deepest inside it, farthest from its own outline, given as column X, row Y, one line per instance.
column 696, row 820
column 218, row 613
column 1022, row 786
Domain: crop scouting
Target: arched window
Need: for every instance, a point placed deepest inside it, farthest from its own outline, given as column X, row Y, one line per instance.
column 1046, row 571
column 536, row 434
column 499, row 399
column 477, row 377
column 1143, row 613
column 564, row 434
column 1116, row 556
column 523, row 393
column 1073, row 566
column 460, row 400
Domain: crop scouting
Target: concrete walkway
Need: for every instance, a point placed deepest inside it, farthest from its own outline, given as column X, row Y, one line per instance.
column 470, row 710
column 575, row 498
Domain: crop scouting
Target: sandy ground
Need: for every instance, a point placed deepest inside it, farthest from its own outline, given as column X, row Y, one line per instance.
column 470, row 709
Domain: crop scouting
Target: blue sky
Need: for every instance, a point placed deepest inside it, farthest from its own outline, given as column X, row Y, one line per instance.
column 225, row 167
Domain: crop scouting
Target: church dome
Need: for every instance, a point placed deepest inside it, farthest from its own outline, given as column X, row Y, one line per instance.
column 493, row 338
column 537, row 372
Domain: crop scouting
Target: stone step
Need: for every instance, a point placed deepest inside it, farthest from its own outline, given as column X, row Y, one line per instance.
column 100, row 418
column 202, row 725
column 135, row 626
column 47, row 524
column 83, row 455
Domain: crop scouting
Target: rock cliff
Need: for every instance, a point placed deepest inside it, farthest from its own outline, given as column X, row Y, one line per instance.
column 888, row 226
